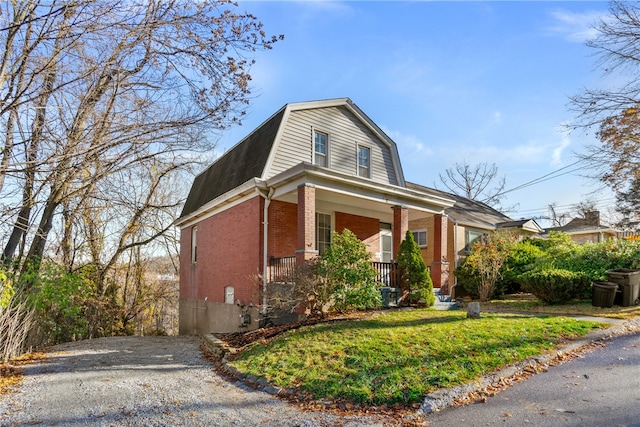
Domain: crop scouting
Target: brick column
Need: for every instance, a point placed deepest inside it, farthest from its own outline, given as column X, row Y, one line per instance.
column 400, row 227
column 306, row 223
column 440, row 264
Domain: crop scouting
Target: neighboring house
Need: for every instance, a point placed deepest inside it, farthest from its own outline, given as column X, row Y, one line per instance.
column 275, row 197
column 466, row 221
column 585, row 230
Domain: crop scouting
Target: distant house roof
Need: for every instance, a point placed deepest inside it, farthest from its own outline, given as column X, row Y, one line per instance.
column 525, row 224
column 589, row 224
column 466, row 211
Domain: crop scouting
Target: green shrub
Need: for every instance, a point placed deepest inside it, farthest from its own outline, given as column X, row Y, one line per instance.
column 349, row 274
column 555, row 285
column 486, row 259
column 58, row 298
column 414, row 273
column 523, row 257
column 468, row 278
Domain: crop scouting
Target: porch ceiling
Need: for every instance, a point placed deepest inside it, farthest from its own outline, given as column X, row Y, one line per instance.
column 369, row 201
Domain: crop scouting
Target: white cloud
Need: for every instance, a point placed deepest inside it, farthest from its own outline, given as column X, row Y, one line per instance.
column 556, row 157
column 409, row 145
column 497, row 117
column 575, row 27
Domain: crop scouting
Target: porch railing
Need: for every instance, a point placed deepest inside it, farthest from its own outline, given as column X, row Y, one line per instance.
column 281, row 269
column 388, row 273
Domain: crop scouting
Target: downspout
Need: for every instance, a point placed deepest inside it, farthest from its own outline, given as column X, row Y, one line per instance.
column 455, row 258
column 265, row 247
column 455, row 245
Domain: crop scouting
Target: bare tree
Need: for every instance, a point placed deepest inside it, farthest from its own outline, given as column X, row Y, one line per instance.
column 556, row 218
column 615, row 110
column 104, row 107
column 480, row 182
column 116, row 85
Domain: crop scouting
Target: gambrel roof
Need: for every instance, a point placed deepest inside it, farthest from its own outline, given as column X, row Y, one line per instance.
column 246, row 160
column 252, row 158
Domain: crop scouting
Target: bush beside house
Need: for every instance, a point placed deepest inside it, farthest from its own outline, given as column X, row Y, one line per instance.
column 555, row 270
column 416, row 282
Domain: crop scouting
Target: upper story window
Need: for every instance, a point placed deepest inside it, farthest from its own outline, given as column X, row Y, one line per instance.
column 420, row 236
column 320, row 149
column 194, row 244
column 364, row 161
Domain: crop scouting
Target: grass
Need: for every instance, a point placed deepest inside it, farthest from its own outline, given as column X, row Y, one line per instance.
column 529, row 303
column 400, row 356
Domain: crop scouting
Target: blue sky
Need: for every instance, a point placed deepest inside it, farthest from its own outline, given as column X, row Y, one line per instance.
column 448, row 81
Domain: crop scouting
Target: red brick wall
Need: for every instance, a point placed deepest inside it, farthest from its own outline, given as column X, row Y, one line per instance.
column 367, row 229
column 283, row 229
column 306, row 216
column 188, row 272
column 229, row 254
column 400, row 227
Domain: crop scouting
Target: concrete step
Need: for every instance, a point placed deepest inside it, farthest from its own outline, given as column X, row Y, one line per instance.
column 443, row 302
column 445, row 305
column 441, row 297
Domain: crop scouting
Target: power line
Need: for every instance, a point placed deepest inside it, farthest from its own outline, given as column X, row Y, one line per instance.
column 550, row 175
column 542, row 211
column 569, row 205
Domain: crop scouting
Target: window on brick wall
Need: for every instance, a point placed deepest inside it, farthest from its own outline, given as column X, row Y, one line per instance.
column 323, row 232
column 420, row 236
column 194, row 244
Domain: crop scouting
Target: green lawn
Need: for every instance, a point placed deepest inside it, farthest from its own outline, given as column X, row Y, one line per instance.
column 531, row 304
column 399, row 356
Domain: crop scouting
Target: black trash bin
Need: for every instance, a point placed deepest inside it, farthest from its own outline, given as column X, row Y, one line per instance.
column 628, row 281
column 603, row 294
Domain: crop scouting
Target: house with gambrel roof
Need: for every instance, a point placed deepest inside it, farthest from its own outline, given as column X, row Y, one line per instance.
column 310, row 169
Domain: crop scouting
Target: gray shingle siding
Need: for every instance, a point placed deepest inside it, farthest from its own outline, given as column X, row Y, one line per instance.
column 345, row 133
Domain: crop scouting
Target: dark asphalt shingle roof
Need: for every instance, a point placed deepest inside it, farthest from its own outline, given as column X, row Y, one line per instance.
column 466, row 211
column 241, row 163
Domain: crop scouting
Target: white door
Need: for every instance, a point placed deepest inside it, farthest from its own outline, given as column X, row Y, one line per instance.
column 386, row 245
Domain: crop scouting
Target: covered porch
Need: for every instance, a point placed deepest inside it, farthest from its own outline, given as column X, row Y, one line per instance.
column 304, row 205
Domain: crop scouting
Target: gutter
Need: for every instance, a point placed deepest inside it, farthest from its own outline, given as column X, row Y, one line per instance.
column 265, row 246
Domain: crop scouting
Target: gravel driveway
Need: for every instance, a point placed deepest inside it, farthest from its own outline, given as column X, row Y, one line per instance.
column 144, row 381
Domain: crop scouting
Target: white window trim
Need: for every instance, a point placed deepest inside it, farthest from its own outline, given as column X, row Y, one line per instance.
column 313, row 145
column 333, row 226
column 426, row 236
column 368, row 147
column 194, row 244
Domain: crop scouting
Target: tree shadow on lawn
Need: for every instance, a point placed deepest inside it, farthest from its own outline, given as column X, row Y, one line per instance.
column 363, row 321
